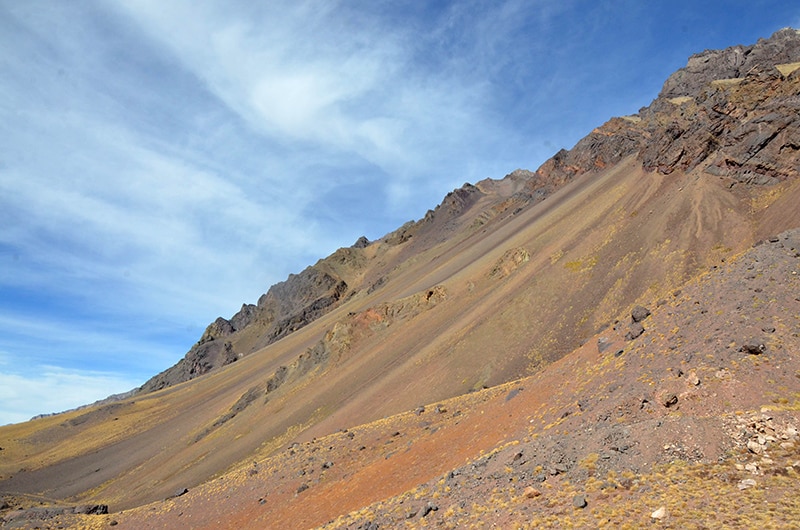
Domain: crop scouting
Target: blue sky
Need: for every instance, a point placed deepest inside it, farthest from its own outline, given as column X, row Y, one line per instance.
column 162, row 163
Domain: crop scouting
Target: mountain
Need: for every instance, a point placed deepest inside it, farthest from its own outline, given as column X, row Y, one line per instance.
column 494, row 361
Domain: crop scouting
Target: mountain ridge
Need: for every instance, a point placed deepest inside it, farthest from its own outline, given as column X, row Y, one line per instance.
column 693, row 139
column 505, row 279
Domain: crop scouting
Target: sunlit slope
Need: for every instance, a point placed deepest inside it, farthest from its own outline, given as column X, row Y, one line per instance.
column 501, row 279
column 510, row 294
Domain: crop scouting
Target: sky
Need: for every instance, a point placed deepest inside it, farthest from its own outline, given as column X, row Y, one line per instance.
column 162, row 163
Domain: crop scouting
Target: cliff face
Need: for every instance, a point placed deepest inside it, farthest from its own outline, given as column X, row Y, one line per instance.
column 733, row 111
column 285, row 308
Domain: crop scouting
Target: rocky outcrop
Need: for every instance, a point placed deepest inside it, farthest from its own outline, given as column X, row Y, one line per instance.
column 441, row 219
column 285, row 308
column 735, row 62
column 734, row 111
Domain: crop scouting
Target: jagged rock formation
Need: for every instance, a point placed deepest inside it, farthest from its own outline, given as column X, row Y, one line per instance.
column 734, row 111
column 285, row 308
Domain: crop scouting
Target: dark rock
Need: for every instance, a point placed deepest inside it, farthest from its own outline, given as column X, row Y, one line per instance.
column 285, row 308
column 753, row 347
column 639, row 313
column 180, row 491
column 636, row 329
column 91, row 509
column 361, row 242
column 579, row 501
column 669, row 400
column 302, row 488
column 430, row 507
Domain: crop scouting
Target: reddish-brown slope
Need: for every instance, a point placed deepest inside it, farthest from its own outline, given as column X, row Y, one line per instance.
column 603, row 435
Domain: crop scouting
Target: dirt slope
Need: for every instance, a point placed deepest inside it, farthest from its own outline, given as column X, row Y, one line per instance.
column 698, row 414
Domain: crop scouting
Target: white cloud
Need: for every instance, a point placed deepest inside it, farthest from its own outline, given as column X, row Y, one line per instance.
column 48, row 389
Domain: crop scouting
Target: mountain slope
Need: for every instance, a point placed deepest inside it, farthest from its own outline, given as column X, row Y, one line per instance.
column 500, row 281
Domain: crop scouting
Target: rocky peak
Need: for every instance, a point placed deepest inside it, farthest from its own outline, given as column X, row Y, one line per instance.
column 735, row 62
column 733, row 111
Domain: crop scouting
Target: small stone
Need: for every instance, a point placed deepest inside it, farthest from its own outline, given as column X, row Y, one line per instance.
column 660, row 513
column 669, row 400
column 692, row 379
column 636, row 330
column 579, row 501
column 754, row 447
column 746, row 483
column 430, row 507
column 753, row 347
column 752, row 468
column 531, row 492
column 639, row 313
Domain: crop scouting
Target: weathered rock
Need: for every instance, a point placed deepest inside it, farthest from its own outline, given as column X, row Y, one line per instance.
column 531, row 493
column 639, row 313
column 91, row 509
column 753, row 347
column 746, row 483
column 361, row 242
column 636, row 330
column 669, row 399
column 754, row 447
column 430, row 507
column 660, row 513
column 579, row 501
